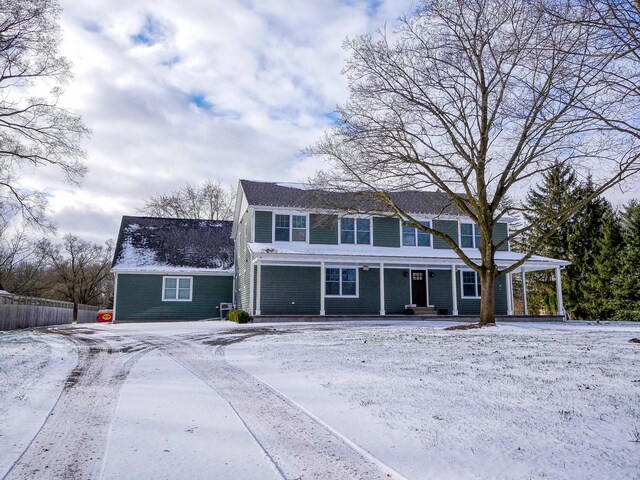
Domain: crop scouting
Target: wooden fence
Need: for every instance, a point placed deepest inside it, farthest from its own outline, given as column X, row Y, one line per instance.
column 17, row 311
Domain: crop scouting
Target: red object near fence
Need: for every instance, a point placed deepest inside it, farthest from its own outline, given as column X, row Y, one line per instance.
column 105, row 316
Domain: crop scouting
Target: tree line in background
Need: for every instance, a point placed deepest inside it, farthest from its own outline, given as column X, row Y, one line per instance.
column 73, row 270
column 601, row 242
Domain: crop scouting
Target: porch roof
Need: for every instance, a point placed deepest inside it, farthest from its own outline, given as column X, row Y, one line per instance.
column 402, row 257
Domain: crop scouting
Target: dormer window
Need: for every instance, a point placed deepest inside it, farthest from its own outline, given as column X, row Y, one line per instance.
column 469, row 235
column 290, row 228
column 412, row 237
column 355, row 230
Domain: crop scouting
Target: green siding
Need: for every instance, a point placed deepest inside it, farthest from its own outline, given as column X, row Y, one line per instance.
column 296, row 291
column 440, row 289
column 290, row 291
column 368, row 301
column 500, row 232
column 139, row 298
column 323, row 229
column 450, row 227
column 386, row 232
column 440, row 294
column 264, row 227
column 396, row 290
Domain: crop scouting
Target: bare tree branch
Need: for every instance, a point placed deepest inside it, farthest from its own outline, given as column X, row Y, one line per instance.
column 34, row 131
column 478, row 99
column 209, row 201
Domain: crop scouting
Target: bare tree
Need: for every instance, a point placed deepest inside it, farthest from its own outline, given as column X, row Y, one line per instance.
column 21, row 262
column 80, row 270
column 619, row 23
column 34, row 130
column 478, row 98
column 209, row 201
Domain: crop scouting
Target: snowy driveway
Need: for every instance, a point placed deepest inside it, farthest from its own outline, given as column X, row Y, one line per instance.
column 211, row 400
column 157, row 402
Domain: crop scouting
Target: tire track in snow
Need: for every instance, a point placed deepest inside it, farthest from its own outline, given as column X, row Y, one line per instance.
column 70, row 443
column 299, row 445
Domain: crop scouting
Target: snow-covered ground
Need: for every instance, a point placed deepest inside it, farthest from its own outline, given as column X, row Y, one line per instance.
column 357, row 400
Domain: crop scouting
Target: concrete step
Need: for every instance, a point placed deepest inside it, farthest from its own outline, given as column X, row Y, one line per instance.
column 424, row 311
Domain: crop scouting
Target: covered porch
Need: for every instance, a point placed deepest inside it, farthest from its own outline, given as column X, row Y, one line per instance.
column 386, row 282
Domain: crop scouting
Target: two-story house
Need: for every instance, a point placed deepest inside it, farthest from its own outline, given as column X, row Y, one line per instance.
column 294, row 255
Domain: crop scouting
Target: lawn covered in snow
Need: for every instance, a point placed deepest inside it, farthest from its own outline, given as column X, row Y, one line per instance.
column 559, row 401
column 356, row 400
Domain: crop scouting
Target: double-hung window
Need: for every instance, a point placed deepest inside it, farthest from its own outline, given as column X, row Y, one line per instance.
column 341, row 282
column 177, row 289
column 290, row 228
column 355, row 230
column 412, row 237
column 470, row 285
column 469, row 235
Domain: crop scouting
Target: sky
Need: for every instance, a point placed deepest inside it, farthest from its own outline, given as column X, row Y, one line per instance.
column 179, row 92
column 184, row 91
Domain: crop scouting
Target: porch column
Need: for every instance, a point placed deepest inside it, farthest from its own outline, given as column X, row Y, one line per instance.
column 251, row 280
column 258, row 283
column 323, row 285
column 524, row 293
column 509, row 295
column 454, row 291
column 382, row 289
column 559, row 291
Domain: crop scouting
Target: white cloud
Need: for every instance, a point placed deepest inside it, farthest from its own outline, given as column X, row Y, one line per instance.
column 178, row 92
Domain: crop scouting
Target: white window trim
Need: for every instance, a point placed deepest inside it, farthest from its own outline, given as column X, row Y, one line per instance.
column 416, row 236
column 462, row 295
column 355, row 231
column 164, row 279
column 357, row 295
column 290, row 214
column 474, row 227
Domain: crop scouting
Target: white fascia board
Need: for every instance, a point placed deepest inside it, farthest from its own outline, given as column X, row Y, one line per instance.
column 531, row 265
column 174, row 271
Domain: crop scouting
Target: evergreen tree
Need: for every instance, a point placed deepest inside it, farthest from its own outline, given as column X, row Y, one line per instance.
column 601, row 298
column 583, row 236
column 628, row 278
column 560, row 187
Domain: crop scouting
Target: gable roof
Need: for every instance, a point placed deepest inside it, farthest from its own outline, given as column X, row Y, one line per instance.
column 173, row 244
column 272, row 194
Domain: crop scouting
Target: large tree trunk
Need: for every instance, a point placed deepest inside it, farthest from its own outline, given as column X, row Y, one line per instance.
column 488, row 296
column 75, row 312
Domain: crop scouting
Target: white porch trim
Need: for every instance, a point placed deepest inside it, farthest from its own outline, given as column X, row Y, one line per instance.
column 509, row 294
column 454, row 291
column 559, row 291
column 251, row 275
column 382, row 312
column 323, row 286
column 258, row 285
column 525, row 305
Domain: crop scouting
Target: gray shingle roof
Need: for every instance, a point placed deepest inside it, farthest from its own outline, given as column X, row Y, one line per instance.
column 270, row 194
column 157, row 243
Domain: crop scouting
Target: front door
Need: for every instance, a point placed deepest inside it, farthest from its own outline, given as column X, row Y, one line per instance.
column 419, row 288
